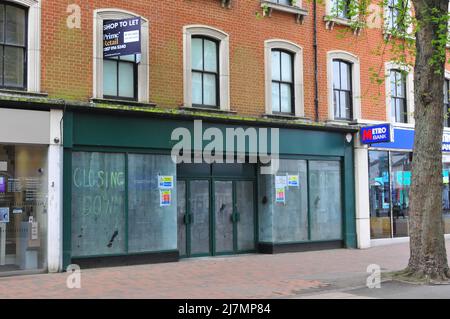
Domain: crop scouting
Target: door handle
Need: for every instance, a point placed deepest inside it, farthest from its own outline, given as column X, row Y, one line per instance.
column 188, row 219
column 235, row 217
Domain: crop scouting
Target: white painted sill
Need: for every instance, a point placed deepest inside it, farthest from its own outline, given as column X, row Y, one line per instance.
column 299, row 12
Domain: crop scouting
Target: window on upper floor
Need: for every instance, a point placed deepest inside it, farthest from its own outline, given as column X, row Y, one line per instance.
column 446, row 103
column 283, row 98
column 396, row 15
column 340, row 8
column 283, row 78
column 284, row 2
column 120, row 77
column 398, row 96
column 205, row 72
column 342, row 90
column 13, row 46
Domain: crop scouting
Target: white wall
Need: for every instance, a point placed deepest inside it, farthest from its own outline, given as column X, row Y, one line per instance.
column 362, row 194
column 55, row 168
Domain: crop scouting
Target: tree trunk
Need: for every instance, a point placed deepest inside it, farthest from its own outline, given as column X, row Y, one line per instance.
column 428, row 259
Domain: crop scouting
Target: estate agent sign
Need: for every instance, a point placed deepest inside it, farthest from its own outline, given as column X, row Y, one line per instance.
column 121, row 37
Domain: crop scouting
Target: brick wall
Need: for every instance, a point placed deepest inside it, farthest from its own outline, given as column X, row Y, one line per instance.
column 67, row 53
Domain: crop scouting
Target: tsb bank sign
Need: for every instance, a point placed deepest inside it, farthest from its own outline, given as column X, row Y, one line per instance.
column 382, row 133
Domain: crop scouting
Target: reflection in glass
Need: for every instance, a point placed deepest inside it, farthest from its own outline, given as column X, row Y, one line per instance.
column 150, row 226
column 325, row 200
column 199, row 208
column 446, row 194
column 291, row 224
column 223, row 197
column 380, row 209
column 245, row 209
column 181, row 216
column 401, row 184
column 98, row 204
column 23, row 195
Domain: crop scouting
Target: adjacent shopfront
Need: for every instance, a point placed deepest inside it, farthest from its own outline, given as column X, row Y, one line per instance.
column 126, row 201
column 25, row 208
column 389, row 181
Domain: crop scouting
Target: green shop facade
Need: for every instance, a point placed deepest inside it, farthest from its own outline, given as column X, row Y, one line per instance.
column 127, row 202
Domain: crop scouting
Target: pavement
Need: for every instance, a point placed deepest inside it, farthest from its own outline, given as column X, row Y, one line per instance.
column 337, row 274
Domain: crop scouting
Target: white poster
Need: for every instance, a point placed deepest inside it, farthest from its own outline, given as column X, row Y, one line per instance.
column 280, row 181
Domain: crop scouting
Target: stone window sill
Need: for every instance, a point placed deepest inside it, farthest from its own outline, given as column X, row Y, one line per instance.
column 22, row 93
column 299, row 13
column 342, row 122
column 122, row 102
column 387, row 34
column 331, row 21
column 286, row 117
column 206, row 109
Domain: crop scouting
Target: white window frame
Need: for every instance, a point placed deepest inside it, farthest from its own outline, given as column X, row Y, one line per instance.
column 33, row 43
column 329, row 12
column 447, row 77
column 387, row 31
column 224, row 56
column 297, row 52
column 356, row 82
column 143, row 66
column 409, row 93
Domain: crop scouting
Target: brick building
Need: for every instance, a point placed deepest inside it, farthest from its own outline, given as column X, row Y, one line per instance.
column 86, row 139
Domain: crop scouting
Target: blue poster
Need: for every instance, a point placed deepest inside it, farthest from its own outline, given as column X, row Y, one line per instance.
column 121, row 37
column 4, row 214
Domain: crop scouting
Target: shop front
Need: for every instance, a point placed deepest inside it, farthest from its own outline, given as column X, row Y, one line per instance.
column 126, row 201
column 389, row 182
column 25, row 207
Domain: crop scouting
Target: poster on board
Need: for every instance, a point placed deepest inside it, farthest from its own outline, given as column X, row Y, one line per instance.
column 280, row 195
column 280, row 181
column 165, row 197
column 293, row 181
column 165, row 182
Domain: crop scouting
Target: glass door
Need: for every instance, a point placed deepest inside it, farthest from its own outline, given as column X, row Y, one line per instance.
column 234, row 216
column 221, row 221
column 224, row 216
column 193, row 217
column 245, row 212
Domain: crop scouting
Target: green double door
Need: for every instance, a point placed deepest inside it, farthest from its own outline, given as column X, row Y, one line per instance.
column 215, row 216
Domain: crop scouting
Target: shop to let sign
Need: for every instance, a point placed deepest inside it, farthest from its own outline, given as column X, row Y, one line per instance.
column 121, row 37
column 382, row 133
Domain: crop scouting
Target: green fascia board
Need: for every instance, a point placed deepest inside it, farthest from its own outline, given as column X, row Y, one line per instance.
column 93, row 129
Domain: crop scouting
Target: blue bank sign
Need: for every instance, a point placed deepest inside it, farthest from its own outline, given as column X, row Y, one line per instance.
column 404, row 139
column 121, row 37
column 382, row 133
